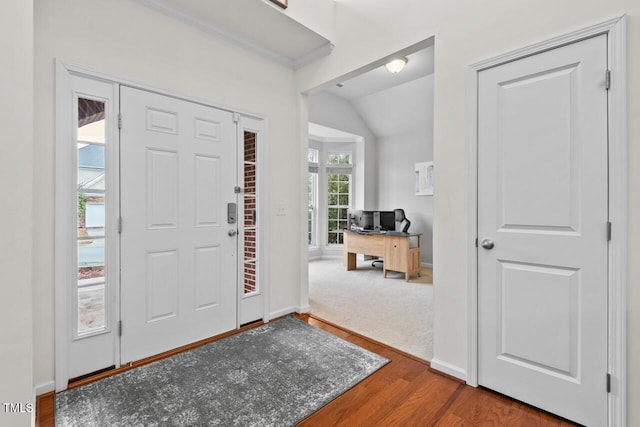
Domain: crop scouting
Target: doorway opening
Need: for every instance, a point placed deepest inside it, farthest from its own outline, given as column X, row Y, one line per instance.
column 369, row 136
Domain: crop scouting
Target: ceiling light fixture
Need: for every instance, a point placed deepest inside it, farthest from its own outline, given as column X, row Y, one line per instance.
column 396, row 65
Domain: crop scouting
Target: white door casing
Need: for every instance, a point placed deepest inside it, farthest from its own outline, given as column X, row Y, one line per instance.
column 542, row 200
column 178, row 169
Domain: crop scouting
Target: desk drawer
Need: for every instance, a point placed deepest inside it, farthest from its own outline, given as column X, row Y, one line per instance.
column 364, row 244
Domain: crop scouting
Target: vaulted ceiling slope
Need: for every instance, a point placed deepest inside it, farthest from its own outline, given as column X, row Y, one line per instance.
column 253, row 24
column 393, row 104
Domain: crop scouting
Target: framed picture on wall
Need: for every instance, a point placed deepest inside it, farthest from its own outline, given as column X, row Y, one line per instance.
column 282, row 3
column 424, row 179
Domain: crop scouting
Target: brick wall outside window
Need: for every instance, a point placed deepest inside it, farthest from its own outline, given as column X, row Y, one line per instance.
column 250, row 210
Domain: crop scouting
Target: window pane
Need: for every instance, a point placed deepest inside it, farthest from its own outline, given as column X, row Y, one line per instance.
column 250, row 278
column 313, row 155
column 91, row 167
column 91, row 308
column 250, row 178
column 338, row 159
column 91, row 253
column 250, row 250
column 343, row 200
column 333, row 238
column 249, row 146
column 343, row 213
column 91, row 121
column 250, row 212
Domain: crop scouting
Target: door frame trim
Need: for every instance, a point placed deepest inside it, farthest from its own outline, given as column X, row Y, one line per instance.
column 63, row 73
column 615, row 29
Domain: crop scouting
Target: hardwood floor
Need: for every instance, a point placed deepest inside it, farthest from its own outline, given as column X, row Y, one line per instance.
column 405, row 392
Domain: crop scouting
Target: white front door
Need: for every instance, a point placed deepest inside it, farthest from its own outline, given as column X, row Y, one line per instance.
column 543, row 205
column 179, row 253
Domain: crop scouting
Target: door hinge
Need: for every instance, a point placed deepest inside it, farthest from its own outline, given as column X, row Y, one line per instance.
column 119, row 225
column 237, row 189
column 119, row 120
column 120, row 328
column 608, row 383
column 607, row 80
column 476, row 242
column 236, row 117
column 609, row 231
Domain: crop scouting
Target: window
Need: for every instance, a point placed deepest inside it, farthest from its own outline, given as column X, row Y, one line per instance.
column 339, row 169
column 250, row 267
column 313, row 196
column 91, row 228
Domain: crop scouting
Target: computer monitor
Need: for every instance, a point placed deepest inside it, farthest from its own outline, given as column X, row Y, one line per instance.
column 372, row 220
column 367, row 220
column 387, row 220
column 355, row 218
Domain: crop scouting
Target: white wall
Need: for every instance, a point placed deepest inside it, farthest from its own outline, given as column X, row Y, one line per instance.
column 465, row 32
column 125, row 39
column 398, row 155
column 16, row 151
column 403, row 116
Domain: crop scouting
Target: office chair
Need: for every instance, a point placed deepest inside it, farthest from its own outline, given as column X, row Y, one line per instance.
column 400, row 219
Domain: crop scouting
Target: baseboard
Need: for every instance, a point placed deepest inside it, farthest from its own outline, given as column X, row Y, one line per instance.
column 426, row 264
column 449, row 369
column 43, row 388
column 283, row 312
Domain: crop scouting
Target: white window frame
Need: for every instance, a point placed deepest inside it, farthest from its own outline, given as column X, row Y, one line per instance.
column 345, row 169
column 313, row 205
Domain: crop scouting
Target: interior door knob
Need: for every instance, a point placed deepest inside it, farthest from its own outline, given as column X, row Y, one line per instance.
column 487, row 244
column 233, row 232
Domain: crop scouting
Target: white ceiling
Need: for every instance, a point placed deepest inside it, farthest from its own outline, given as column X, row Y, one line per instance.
column 388, row 103
column 393, row 104
column 255, row 24
column 420, row 64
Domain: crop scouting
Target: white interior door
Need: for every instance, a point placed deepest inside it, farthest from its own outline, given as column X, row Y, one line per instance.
column 179, row 254
column 542, row 202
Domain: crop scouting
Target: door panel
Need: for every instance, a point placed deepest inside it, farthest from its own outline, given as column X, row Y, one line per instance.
column 179, row 275
column 542, row 199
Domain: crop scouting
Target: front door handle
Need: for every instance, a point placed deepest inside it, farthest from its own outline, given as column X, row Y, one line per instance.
column 487, row 244
column 233, row 232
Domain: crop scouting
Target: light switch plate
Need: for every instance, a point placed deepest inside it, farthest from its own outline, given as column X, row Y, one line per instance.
column 281, row 209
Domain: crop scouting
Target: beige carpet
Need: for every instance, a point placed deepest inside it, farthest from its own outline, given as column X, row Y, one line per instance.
column 390, row 310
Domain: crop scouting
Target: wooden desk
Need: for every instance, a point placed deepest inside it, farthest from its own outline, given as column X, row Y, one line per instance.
column 401, row 251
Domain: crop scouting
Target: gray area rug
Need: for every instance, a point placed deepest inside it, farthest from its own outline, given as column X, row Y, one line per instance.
column 274, row 375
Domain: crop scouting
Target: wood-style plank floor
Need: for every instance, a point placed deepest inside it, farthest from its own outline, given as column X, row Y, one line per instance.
column 405, row 392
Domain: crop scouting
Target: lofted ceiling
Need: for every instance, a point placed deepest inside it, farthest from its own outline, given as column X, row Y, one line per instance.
column 393, row 104
column 419, row 64
column 254, row 24
column 388, row 103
